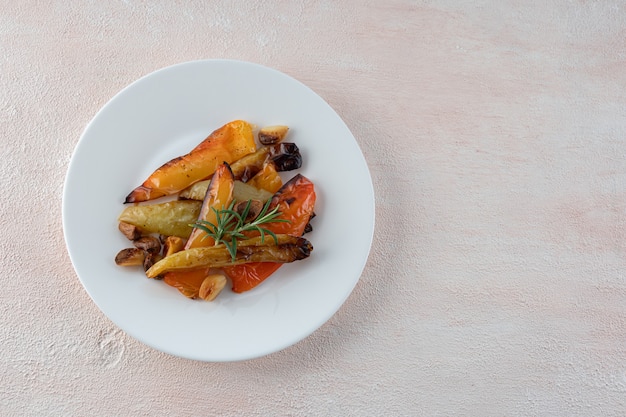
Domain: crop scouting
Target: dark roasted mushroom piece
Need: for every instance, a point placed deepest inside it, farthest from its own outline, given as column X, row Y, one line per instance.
column 131, row 231
column 285, row 156
column 150, row 259
column 130, row 257
column 255, row 208
column 148, row 243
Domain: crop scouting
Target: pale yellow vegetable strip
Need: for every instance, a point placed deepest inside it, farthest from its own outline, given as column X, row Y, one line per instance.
column 241, row 192
column 170, row 219
column 196, row 191
column 288, row 249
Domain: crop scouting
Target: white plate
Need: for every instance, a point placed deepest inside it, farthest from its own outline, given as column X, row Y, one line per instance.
column 165, row 114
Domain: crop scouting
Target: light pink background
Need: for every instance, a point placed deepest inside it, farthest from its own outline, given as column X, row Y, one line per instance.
column 495, row 132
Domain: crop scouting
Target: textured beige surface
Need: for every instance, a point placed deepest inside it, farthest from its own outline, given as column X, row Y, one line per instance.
column 495, row 133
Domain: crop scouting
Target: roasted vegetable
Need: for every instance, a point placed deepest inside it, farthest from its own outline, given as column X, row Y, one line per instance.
column 170, row 219
column 284, row 156
column 233, row 217
column 245, row 168
column 212, row 286
column 267, row 179
column 150, row 259
column 241, row 192
column 228, row 143
column 244, row 192
column 148, row 243
column 173, row 244
column 271, row 135
column 219, row 195
column 287, row 249
column 296, row 201
column 280, row 157
column 250, row 208
column 187, row 282
column 131, row 231
column 130, row 257
column 196, row 191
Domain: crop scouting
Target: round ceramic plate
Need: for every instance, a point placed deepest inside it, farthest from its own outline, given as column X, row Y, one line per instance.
column 167, row 113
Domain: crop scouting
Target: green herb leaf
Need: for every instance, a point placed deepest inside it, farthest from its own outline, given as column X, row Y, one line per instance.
column 231, row 225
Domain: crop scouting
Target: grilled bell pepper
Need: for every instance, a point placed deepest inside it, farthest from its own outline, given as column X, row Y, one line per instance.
column 228, row 143
column 296, row 201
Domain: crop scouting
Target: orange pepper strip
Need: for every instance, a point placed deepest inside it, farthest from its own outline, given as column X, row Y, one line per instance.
column 226, row 144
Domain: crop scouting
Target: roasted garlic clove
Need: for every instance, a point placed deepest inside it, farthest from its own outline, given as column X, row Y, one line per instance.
column 271, row 135
column 212, row 286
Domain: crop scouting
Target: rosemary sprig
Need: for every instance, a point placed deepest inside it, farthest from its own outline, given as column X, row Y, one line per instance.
column 231, row 225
